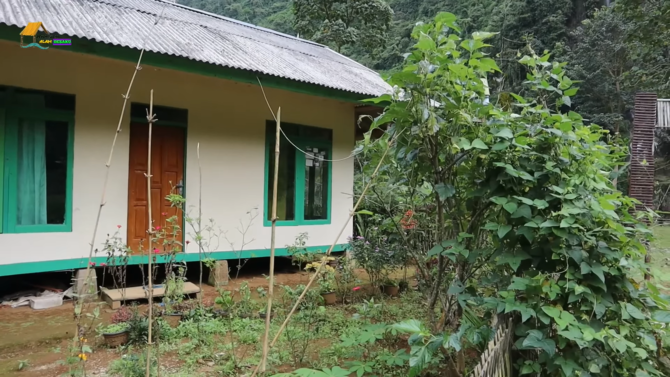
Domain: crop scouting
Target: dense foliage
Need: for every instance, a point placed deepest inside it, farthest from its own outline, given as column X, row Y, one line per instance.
column 528, row 221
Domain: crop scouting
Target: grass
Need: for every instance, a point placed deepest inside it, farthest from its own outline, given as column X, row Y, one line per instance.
column 660, row 255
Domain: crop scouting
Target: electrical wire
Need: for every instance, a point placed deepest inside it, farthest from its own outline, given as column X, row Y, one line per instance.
column 317, row 157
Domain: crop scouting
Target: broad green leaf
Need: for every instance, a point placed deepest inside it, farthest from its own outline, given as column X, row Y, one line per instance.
column 551, row 311
column 510, row 207
column 445, row 190
column 597, row 269
column 570, row 92
column 500, row 146
column 662, row 316
column 641, row 373
column 499, row 200
column 505, row 133
column 410, row 326
column 526, row 232
column 634, row 312
column 548, row 223
column 481, row 35
column 503, row 230
column 566, row 100
column 540, row 203
column 641, row 352
column 526, row 369
column 523, row 211
column 425, row 43
column 479, row 144
column 464, row 143
column 535, row 341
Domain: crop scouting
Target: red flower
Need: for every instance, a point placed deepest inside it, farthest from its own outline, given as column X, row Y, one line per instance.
column 158, row 228
column 118, row 226
column 103, row 264
column 156, row 251
column 408, row 222
column 164, row 213
column 188, row 242
column 92, row 264
column 356, row 289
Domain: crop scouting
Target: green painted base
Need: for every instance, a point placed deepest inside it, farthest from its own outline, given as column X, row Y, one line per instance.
column 73, row 264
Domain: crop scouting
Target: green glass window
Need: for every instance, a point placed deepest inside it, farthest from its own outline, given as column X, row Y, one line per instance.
column 38, row 151
column 304, row 179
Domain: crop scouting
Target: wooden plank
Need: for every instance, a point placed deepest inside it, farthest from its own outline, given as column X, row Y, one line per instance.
column 113, row 296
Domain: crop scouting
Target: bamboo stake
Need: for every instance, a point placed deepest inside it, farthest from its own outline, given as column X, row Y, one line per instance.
column 199, row 232
column 330, row 249
column 268, row 311
column 150, row 232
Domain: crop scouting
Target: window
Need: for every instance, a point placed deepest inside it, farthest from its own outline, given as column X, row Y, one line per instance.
column 38, row 153
column 304, row 180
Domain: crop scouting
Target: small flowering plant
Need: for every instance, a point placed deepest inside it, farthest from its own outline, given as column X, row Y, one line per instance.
column 326, row 277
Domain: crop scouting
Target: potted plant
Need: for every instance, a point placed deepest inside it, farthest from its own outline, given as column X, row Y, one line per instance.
column 115, row 334
column 326, row 280
column 390, row 287
column 174, row 297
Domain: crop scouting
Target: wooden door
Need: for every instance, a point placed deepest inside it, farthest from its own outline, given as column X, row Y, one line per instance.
column 167, row 170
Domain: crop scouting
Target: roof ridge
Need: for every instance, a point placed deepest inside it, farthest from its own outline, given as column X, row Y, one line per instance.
column 246, row 24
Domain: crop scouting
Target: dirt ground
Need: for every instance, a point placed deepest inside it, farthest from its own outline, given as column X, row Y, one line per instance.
column 41, row 338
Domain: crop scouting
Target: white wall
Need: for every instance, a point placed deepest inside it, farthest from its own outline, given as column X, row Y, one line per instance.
column 225, row 117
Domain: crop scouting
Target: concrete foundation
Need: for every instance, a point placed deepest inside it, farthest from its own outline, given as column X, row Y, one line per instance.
column 86, row 283
column 219, row 274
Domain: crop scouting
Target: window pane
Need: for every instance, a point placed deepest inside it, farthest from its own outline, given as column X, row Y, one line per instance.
column 286, row 181
column 48, row 100
column 316, row 184
column 41, row 172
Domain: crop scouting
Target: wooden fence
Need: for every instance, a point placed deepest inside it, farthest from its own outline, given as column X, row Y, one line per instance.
column 497, row 359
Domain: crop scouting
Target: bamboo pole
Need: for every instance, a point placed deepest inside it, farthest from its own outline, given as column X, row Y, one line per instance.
column 268, row 311
column 150, row 232
column 330, row 249
column 199, row 232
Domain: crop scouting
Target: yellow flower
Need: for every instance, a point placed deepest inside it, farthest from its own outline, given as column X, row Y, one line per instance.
column 83, row 356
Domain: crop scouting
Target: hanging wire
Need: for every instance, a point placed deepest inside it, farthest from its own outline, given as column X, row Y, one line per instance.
column 317, row 157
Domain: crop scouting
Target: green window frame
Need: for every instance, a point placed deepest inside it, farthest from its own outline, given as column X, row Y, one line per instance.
column 303, row 137
column 11, row 116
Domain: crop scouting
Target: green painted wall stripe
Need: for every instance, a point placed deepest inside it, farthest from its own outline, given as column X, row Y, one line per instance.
column 86, row 46
column 69, row 264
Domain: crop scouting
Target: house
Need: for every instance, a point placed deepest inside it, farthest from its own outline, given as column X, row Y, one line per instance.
column 60, row 106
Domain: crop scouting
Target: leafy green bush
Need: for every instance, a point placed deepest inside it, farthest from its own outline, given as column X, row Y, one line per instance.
column 528, row 219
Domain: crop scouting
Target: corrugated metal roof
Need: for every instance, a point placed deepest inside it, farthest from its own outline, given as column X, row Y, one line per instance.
column 196, row 35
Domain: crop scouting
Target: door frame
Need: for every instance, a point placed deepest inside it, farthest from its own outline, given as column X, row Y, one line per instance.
column 168, row 124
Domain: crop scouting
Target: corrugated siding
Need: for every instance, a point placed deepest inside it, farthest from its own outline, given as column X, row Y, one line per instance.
column 196, row 35
column 641, row 179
